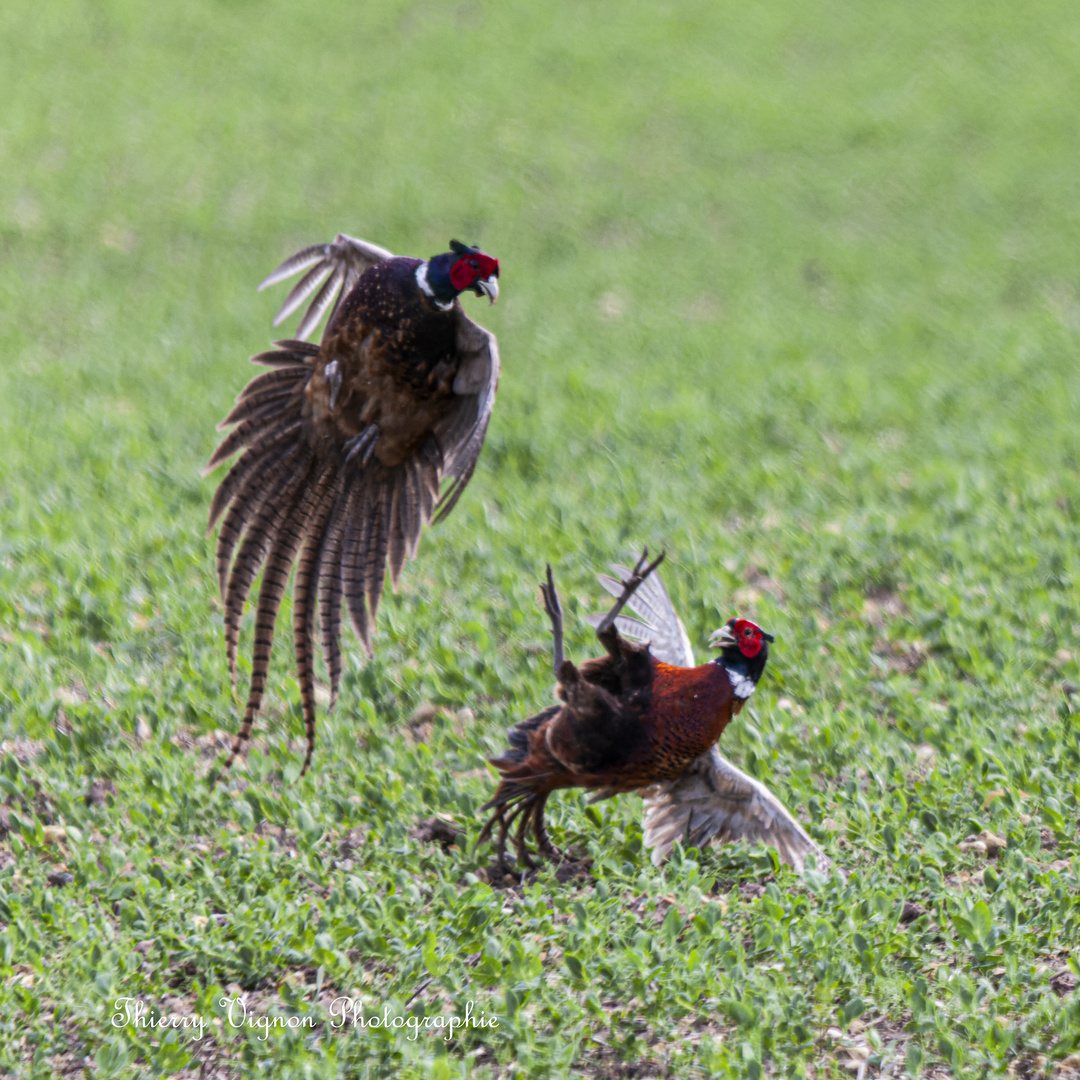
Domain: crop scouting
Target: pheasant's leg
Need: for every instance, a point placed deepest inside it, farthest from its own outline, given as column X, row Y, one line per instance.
column 554, row 611
column 544, row 846
column 332, row 374
column 605, row 631
column 505, row 823
column 500, row 844
column 485, row 832
column 524, row 858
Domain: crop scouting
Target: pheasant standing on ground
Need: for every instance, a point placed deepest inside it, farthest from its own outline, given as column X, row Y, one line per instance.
column 645, row 718
column 347, row 444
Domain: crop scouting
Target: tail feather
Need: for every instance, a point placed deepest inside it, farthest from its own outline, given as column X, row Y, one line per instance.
column 259, row 537
column 255, row 490
column 304, row 596
column 519, row 738
column 247, row 479
column 328, row 575
column 285, row 377
column 527, row 770
column 254, row 407
column 285, row 534
column 352, row 563
column 522, row 775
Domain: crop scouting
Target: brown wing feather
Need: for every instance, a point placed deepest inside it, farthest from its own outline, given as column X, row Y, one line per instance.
column 260, row 406
column 346, row 259
column 461, row 435
column 249, row 432
column 282, row 377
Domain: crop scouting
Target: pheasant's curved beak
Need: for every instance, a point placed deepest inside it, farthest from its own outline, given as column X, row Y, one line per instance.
column 489, row 287
column 722, row 638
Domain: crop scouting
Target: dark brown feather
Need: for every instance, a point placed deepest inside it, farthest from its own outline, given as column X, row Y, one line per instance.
column 304, row 596
column 329, row 576
column 378, row 540
column 249, row 432
column 281, row 361
column 258, row 486
column 291, row 376
column 410, row 509
column 396, row 550
column 258, row 539
column 353, row 563
column 234, row 479
column 263, row 405
column 287, row 352
column 287, row 536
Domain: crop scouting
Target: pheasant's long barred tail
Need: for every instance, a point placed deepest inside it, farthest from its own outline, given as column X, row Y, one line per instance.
column 286, row 500
column 305, row 593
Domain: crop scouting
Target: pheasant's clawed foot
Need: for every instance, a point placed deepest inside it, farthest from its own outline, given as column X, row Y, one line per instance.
column 544, row 847
column 524, row 858
column 549, row 852
column 362, row 445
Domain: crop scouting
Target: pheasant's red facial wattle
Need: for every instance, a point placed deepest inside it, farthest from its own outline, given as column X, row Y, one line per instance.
column 749, row 637
column 472, row 268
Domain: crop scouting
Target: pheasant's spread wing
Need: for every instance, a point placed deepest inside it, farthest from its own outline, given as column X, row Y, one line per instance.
column 336, row 267
column 461, row 433
column 659, row 625
column 714, row 801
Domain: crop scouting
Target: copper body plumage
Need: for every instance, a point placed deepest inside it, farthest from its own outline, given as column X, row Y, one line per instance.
column 350, row 448
column 644, row 718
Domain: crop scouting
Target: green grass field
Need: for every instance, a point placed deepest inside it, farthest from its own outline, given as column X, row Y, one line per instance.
column 791, row 291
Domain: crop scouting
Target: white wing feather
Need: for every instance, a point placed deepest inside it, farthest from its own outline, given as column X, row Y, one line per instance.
column 660, row 626
column 341, row 263
column 715, row 802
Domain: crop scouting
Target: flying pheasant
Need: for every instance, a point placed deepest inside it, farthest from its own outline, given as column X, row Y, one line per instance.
column 645, row 718
column 346, row 445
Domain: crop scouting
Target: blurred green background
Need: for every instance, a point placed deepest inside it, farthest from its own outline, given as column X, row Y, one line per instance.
column 791, row 291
